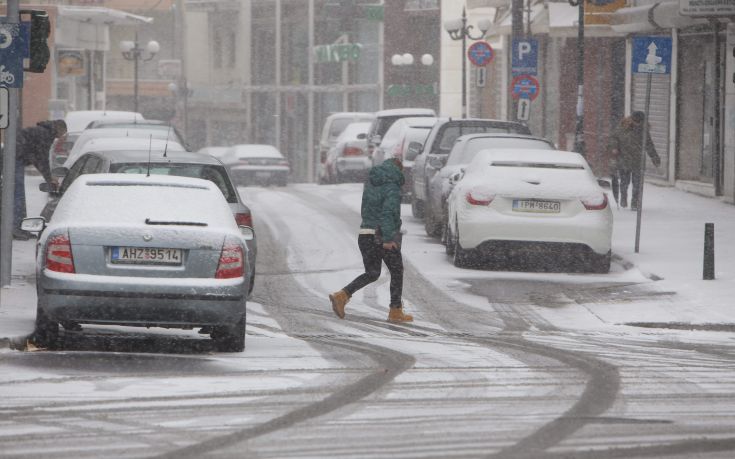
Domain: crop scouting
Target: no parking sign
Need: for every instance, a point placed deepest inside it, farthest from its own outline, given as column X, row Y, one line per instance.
column 524, row 87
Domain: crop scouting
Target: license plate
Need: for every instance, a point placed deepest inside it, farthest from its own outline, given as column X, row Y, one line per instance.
column 146, row 255
column 536, row 206
column 263, row 174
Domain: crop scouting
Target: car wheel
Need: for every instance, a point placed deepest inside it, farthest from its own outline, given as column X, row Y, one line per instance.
column 448, row 239
column 417, row 208
column 462, row 257
column 599, row 264
column 230, row 338
column 433, row 228
column 47, row 331
column 252, row 284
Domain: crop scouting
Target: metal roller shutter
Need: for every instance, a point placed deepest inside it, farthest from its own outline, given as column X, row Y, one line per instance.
column 658, row 117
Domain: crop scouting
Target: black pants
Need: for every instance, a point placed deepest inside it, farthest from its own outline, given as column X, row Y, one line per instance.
column 626, row 176
column 373, row 255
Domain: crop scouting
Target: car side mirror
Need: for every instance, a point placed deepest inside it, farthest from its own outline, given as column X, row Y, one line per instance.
column 604, row 183
column 361, row 136
column 247, row 232
column 413, row 150
column 33, row 224
column 457, row 176
column 376, row 139
column 437, row 162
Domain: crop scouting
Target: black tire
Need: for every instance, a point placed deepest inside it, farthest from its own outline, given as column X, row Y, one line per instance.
column 600, row 264
column 230, row 338
column 252, row 284
column 47, row 331
column 462, row 258
column 417, row 208
column 448, row 240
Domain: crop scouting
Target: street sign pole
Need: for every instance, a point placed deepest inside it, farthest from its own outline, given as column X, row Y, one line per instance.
column 8, row 186
column 644, row 137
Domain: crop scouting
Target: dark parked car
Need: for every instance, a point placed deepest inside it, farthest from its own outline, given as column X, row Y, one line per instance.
column 178, row 163
column 436, row 149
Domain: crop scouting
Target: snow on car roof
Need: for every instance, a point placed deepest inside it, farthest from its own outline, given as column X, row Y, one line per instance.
column 120, row 199
column 529, row 156
column 353, row 129
column 78, row 120
column 257, row 150
column 406, row 112
column 123, row 143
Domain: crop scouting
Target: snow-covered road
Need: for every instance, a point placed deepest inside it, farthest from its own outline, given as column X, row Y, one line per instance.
column 506, row 364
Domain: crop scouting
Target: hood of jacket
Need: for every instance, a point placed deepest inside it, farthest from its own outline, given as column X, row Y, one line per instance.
column 385, row 173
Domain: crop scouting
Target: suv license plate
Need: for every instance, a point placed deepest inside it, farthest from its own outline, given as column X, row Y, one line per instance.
column 536, row 206
column 146, row 255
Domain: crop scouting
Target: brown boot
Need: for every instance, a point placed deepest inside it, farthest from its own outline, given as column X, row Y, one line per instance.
column 339, row 300
column 397, row 315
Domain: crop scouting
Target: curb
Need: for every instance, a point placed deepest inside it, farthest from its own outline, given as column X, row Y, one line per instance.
column 628, row 265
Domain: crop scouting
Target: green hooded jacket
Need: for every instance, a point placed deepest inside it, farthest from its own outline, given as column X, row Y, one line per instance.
column 381, row 200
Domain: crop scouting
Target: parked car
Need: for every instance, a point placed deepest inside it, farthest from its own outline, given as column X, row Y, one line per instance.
column 76, row 122
column 217, row 152
column 464, row 150
column 140, row 124
column 123, row 144
column 404, row 139
column 176, row 163
column 334, row 124
column 257, row 164
column 348, row 159
column 89, row 135
column 384, row 119
column 436, row 148
column 392, row 143
column 120, row 251
column 526, row 202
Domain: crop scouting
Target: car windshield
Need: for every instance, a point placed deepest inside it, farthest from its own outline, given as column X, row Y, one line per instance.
column 472, row 146
column 215, row 174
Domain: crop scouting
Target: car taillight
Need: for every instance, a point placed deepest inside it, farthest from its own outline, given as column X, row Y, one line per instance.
column 479, row 200
column 58, row 254
column 244, row 219
column 231, row 262
column 352, row 151
column 595, row 203
column 244, row 161
column 283, row 163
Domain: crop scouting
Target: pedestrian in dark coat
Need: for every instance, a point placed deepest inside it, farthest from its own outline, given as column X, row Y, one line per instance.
column 379, row 238
column 625, row 147
column 32, row 148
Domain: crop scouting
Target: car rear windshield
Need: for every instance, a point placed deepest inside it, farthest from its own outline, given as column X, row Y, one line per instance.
column 450, row 134
column 215, row 174
column 473, row 146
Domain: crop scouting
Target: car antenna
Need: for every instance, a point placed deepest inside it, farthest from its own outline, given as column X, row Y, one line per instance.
column 150, row 147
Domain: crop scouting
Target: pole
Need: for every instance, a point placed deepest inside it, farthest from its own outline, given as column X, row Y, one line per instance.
column 516, row 34
column 464, row 63
column 644, row 138
column 708, row 270
column 136, row 57
column 579, row 146
column 716, row 145
column 311, row 151
column 8, row 186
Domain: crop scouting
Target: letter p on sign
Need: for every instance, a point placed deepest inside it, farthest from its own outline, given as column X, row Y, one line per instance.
column 524, row 48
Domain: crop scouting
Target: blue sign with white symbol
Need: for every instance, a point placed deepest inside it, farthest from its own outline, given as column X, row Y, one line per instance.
column 652, row 55
column 524, row 60
column 12, row 50
column 480, row 53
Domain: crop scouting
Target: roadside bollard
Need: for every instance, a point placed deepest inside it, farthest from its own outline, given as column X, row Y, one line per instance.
column 709, row 251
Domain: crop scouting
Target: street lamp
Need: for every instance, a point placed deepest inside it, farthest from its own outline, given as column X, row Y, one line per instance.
column 132, row 52
column 459, row 30
column 406, row 60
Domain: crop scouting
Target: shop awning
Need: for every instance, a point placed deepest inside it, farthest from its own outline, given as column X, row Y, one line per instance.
column 556, row 20
column 87, row 27
column 101, row 16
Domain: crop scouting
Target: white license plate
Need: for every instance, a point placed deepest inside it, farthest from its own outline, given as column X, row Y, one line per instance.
column 536, row 206
column 146, row 255
column 263, row 174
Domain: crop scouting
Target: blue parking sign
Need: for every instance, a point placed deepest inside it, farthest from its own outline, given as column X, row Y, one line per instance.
column 652, row 55
column 524, row 60
column 12, row 51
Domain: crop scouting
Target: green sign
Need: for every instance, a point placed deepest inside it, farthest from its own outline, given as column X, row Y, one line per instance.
column 337, row 53
column 374, row 12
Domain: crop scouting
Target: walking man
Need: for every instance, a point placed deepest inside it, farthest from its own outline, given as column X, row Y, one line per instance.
column 32, row 147
column 379, row 238
column 625, row 147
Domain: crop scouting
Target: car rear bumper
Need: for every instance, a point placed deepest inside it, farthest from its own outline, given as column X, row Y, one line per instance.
column 593, row 230
column 247, row 174
column 133, row 301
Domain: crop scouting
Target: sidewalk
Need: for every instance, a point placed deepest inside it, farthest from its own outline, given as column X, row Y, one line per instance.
column 671, row 254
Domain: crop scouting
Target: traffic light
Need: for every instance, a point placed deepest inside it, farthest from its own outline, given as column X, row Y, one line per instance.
column 39, row 51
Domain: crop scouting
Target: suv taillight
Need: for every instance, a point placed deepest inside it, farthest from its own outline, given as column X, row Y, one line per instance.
column 479, row 200
column 231, row 262
column 352, row 151
column 58, row 254
column 597, row 203
column 244, row 219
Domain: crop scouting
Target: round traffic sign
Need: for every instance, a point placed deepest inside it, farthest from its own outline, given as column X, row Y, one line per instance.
column 524, row 87
column 480, row 53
